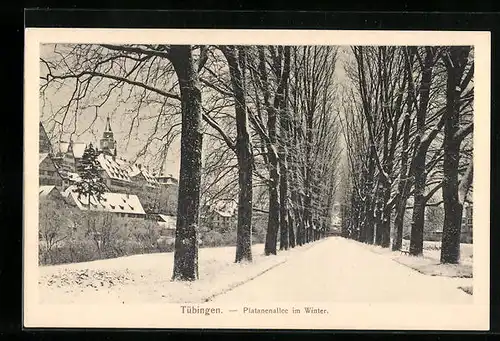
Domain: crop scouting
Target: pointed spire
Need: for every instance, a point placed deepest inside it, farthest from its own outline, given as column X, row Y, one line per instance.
column 108, row 125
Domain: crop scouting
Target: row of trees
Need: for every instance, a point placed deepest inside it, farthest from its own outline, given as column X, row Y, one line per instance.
column 270, row 109
column 408, row 122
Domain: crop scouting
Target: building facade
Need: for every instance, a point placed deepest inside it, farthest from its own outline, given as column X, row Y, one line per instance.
column 121, row 204
column 48, row 173
column 157, row 195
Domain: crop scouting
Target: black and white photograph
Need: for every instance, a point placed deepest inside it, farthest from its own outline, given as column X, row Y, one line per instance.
column 263, row 179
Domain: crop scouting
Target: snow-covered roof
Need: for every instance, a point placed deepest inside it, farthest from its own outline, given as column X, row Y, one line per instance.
column 110, row 202
column 166, row 180
column 42, row 157
column 116, row 168
column 70, row 176
column 45, row 190
column 135, row 170
column 225, row 214
column 167, row 221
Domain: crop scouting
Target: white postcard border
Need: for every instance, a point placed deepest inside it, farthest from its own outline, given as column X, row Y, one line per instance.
column 341, row 315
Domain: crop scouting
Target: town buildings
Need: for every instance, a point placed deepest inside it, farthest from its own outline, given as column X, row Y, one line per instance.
column 221, row 215
column 48, row 171
column 132, row 190
column 121, row 204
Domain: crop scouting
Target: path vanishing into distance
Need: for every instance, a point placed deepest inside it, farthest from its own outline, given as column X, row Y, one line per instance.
column 341, row 270
column 333, row 269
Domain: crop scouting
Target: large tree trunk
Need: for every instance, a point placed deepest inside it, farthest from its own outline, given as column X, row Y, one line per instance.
column 308, row 179
column 291, row 231
column 369, row 203
column 282, row 101
column 274, row 207
column 284, row 222
column 272, row 157
column 417, row 225
column 402, row 186
column 244, row 155
column 386, row 218
column 186, row 242
column 389, row 144
column 295, row 218
column 453, row 207
column 244, row 229
column 378, row 218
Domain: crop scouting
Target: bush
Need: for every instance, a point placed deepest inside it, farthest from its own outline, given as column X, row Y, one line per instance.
column 68, row 236
column 213, row 238
column 259, row 228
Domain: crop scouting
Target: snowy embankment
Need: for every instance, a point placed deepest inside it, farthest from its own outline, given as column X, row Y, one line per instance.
column 146, row 278
column 429, row 262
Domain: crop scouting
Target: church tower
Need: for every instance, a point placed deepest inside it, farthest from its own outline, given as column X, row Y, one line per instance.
column 108, row 143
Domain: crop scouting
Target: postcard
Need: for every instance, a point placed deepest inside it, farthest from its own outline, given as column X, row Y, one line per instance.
column 256, row 179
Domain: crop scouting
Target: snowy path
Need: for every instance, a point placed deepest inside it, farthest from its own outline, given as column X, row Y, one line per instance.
column 342, row 270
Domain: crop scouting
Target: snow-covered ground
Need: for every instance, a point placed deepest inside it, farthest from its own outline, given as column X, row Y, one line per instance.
column 331, row 270
column 146, row 278
column 342, row 270
column 432, row 250
column 429, row 263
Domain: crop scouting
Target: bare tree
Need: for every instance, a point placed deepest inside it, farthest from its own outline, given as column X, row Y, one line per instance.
column 456, row 62
column 143, row 69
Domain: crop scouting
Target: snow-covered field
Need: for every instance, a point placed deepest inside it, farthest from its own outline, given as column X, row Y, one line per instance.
column 432, row 250
column 146, row 278
column 429, row 263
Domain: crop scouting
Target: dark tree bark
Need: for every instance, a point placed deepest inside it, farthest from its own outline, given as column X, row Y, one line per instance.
column 420, row 176
column 295, row 191
column 186, row 243
column 404, row 183
column 392, row 113
column 291, row 230
column 282, row 101
column 370, row 199
column 455, row 62
column 378, row 217
column 273, row 161
column 465, row 183
column 403, row 187
column 236, row 59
